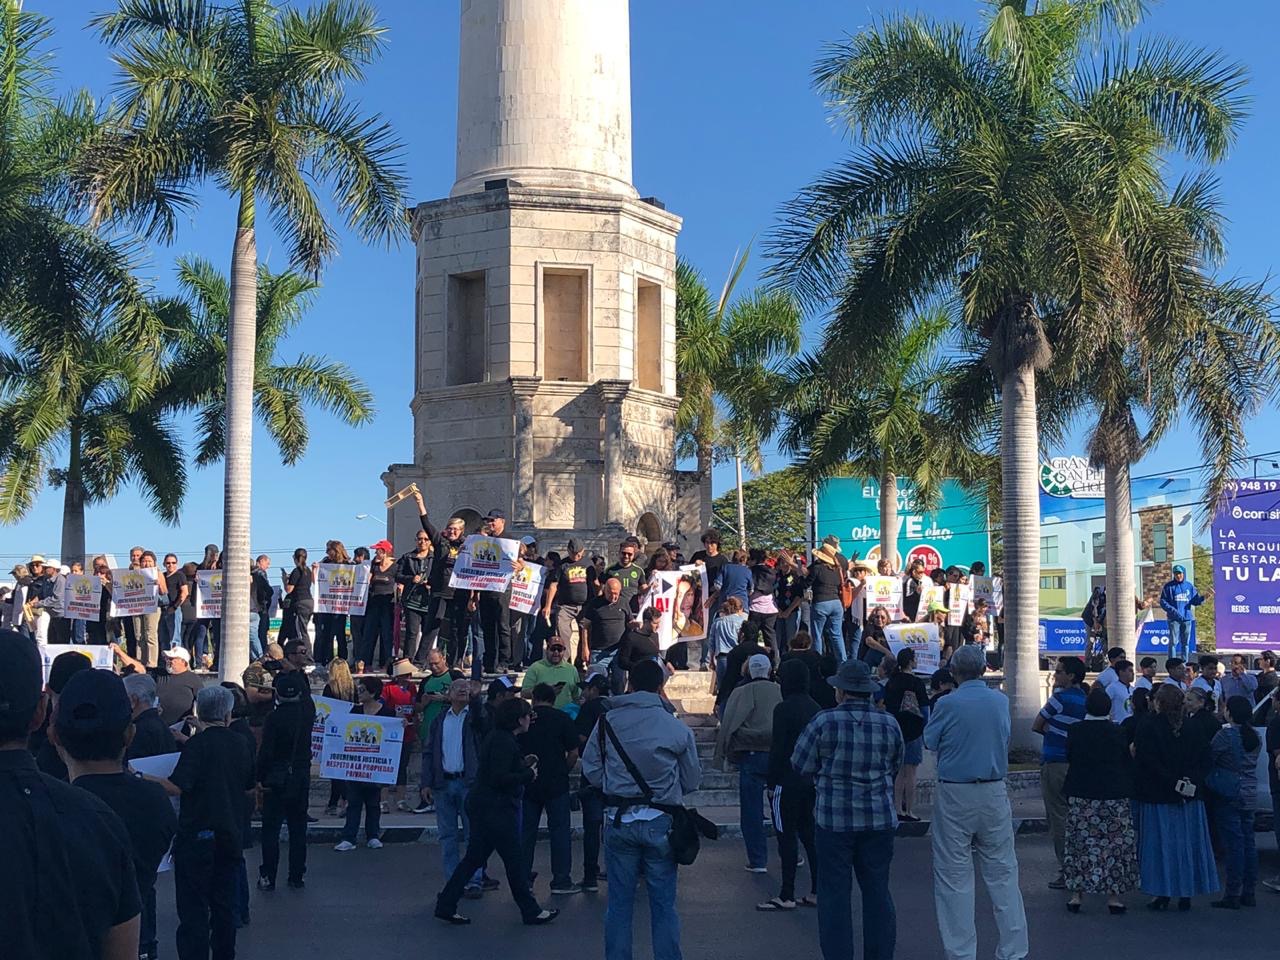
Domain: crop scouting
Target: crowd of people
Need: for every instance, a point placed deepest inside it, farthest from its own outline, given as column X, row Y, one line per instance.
column 824, row 722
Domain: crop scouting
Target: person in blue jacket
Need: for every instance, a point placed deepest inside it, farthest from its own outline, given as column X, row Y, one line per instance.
column 1178, row 599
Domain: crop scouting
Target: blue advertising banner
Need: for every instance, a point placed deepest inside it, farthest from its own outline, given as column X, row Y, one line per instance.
column 954, row 533
column 1065, row 637
column 1246, row 567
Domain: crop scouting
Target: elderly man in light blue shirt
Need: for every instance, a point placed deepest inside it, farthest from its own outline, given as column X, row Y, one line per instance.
column 969, row 731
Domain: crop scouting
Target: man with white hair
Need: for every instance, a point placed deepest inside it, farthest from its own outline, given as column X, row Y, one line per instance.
column 969, row 732
column 213, row 777
column 151, row 736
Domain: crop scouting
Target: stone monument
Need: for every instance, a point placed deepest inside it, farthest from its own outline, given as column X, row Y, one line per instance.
column 545, row 381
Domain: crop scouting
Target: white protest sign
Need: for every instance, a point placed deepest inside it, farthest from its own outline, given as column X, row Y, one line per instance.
column 883, row 592
column 485, row 563
column 82, row 600
column 984, row 588
column 133, row 592
column 208, row 594
column 325, row 708
column 159, row 766
column 920, row 637
column 97, row 654
column 361, row 748
column 526, row 587
column 961, row 597
column 680, row 596
column 341, row 587
column 931, row 594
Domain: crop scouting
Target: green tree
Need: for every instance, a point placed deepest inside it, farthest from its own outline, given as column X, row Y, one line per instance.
column 729, row 359
column 249, row 96
column 968, row 180
column 1202, row 566
column 776, row 507
column 281, row 391
column 82, row 356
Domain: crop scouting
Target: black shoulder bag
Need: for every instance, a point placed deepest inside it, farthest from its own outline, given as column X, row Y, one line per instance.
column 687, row 825
column 281, row 775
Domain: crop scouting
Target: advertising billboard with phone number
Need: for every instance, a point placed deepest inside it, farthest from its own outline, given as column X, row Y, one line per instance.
column 1246, row 567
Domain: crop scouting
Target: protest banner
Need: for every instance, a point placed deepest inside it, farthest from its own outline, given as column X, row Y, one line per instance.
column 883, row 592
column 361, row 748
column 133, row 592
column 681, row 597
column 208, row 594
column 961, row 598
column 326, row 707
column 930, row 595
column 920, row 637
column 485, row 563
column 526, row 587
column 341, row 587
column 82, row 600
column 97, row 654
column 988, row 589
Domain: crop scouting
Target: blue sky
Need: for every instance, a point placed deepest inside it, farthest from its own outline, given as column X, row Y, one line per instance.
column 726, row 127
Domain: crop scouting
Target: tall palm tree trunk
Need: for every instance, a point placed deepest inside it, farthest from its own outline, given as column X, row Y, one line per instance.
column 73, row 502
column 241, row 337
column 1020, row 504
column 889, row 517
column 1119, row 533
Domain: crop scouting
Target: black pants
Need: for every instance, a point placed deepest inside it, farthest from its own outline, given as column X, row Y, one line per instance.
column 147, row 946
column 495, row 621
column 293, row 625
column 767, row 622
column 375, row 638
column 168, row 618
column 288, row 807
column 494, row 827
column 264, row 624
column 331, row 633
column 413, row 643
column 59, row 630
column 797, row 828
column 204, row 883
column 453, row 611
column 592, row 830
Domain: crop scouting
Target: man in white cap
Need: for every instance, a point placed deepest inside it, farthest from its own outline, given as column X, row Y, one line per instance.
column 746, row 731
column 177, row 686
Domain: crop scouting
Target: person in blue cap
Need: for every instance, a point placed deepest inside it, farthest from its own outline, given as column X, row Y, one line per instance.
column 1178, row 599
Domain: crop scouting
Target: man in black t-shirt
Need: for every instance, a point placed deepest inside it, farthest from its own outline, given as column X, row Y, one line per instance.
column 554, row 741
column 606, row 619
column 714, row 562
column 566, row 595
column 92, row 729
column 629, row 574
column 177, row 591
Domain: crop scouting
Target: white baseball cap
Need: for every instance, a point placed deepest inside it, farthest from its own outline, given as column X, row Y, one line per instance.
column 178, row 653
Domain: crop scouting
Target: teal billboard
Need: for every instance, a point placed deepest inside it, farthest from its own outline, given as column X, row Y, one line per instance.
column 954, row 533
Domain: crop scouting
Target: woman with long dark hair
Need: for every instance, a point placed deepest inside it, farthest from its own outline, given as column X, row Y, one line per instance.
column 413, row 571
column 208, row 628
column 331, row 628
column 375, row 637
column 297, row 601
column 907, row 698
column 1233, row 780
column 1175, row 858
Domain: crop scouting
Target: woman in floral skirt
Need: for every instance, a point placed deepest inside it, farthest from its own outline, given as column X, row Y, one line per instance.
column 1101, row 851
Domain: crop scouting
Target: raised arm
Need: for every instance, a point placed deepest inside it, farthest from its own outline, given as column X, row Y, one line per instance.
column 422, row 515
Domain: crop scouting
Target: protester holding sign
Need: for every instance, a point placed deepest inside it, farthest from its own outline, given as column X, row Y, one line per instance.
column 363, row 796
column 338, row 583
column 375, row 647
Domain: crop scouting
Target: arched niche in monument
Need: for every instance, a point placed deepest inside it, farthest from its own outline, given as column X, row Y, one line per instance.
column 472, row 518
column 649, row 529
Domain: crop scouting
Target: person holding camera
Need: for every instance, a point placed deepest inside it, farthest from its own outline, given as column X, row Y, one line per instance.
column 1175, row 858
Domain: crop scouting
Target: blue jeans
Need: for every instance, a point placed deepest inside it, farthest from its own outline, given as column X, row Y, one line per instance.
column 632, row 850
column 558, row 830
column 753, row 768
column 255, row 647
column 865, row 854
column 1180, row 638
column 78, row 631
column 476, row 635
column 451, row 798
column 785, row 628
column 828, row 626
column 1240, row 853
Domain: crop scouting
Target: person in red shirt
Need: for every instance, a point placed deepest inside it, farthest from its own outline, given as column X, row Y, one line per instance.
column 400, row 696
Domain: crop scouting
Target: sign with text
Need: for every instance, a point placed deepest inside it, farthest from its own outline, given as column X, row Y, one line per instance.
column 82, row 599
column 961, row 597
column 326, row 707
column 341, row 587
column 526, row 587
column 1246, row 566
column 989, row 589
column 932, row 594
column 883, row 592
column 485, row 563
column 920, row 637
column 134, row 592
column 208, row 594
column 1066, row 636
column 97, row 654
column 680, row 596
column 361, row 748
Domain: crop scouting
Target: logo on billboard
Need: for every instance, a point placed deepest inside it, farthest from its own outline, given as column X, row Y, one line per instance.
column 1071, row 477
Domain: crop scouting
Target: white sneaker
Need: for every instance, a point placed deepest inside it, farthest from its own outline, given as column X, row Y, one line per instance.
column 374, row 844
column 345, row 846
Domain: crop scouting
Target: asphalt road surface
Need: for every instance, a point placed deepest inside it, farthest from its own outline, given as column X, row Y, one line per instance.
column 378, row 903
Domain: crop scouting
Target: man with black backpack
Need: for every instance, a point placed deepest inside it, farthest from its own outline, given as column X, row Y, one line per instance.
column 659, row 766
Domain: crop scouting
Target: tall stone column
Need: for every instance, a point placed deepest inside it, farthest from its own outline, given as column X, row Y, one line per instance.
column 612, row 395
column 523, row 390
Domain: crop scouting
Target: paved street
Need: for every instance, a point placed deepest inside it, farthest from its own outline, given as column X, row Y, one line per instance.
column 369, row 902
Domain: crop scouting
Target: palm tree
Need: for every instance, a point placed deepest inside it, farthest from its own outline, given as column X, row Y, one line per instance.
column 729, row 356
column 281, row 391
column 968, row 182
column 251, row 97
column 889, row 413
column 84, row 355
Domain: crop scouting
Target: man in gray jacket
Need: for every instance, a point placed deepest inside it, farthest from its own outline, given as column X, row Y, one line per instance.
column 663, row 751
column 450, row 761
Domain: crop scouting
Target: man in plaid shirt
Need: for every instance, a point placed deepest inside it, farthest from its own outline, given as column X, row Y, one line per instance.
column 853, row 753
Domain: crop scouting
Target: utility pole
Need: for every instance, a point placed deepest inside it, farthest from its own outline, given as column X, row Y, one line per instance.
column 742, row 512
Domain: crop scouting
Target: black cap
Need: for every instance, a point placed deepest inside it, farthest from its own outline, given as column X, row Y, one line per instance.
column 496, row 514
column 501, row 685
column 65, row 666
column 600, row 681
column 21, row 671
column 292, row 685
column 93, row 701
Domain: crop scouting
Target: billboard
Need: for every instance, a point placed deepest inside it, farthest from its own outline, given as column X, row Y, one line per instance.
column 1246, row 567
column 954, row 533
